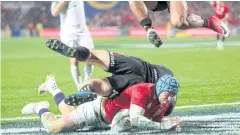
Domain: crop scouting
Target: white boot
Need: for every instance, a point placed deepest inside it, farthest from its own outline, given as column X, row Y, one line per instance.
column 49, row 85
column 34, row 108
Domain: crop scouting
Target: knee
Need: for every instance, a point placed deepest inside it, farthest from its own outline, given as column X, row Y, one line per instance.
column 178, row 22
column 99, row 86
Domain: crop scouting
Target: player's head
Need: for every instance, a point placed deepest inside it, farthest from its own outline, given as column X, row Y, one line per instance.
column 166, row 88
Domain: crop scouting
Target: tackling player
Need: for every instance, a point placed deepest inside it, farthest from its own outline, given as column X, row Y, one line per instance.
column 222, row 13
column 179, row 17
column 147, row 104
column 126, row 71
column 74, row 32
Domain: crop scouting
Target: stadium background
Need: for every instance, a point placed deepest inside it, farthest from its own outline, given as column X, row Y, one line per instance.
column 209, row 78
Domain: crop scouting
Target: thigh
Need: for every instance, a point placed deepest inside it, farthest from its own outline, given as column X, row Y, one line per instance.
column 121, row 82
column 83, row 116
column 157, row 5
column 178, row 8
column 86, row 41
column 151, row 5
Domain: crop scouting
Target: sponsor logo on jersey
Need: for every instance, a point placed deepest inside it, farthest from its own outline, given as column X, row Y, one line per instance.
column 112, row 62
column 155, row 74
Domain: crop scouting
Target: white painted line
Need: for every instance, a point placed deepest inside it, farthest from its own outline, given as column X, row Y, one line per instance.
column 184, row 118
column 22, row 118
column 211, row 117
column 178, row 107
column 21, row 130
column 207, row 105
column 177, row 45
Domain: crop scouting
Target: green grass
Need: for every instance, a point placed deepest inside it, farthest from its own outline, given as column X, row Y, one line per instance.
column 206, row 75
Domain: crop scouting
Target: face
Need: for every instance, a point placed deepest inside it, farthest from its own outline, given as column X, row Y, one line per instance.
column 165, row 98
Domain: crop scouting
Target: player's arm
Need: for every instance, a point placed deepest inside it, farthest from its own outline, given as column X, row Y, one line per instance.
column 57, row 7
column 138, row 120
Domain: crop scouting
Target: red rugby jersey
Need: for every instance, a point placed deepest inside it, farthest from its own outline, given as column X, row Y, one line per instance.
column 140, row 94
column 220, row 10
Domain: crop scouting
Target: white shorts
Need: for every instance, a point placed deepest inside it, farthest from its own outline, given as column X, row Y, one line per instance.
column 87, row 115
column 74, row 36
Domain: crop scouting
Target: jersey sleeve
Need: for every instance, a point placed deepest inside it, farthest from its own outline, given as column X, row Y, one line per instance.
column 140, row 96
column 159, row 117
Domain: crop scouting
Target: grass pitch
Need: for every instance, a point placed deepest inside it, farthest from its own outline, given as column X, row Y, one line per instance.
column 206, row 75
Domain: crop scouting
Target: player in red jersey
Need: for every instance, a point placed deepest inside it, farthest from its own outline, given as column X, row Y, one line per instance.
column 179, row 18
column 223, row 14
column 147, row 103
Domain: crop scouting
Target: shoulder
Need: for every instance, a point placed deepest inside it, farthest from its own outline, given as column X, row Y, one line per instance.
column 142, row 92
column 142, row 87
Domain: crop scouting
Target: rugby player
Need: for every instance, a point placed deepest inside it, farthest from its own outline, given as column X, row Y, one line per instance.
column 126, row 70
column 74, row 32
column 144, row 102
column 179, row 17
column 222, row 13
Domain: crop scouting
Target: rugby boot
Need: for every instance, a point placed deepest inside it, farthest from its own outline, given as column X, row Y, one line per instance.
column 79, row 52
column 216, row 25
column 153, row 37
column 49, row 85
column 83, row 96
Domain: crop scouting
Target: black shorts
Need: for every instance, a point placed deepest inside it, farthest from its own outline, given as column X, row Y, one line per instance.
column 126, row 71
column 162, row 5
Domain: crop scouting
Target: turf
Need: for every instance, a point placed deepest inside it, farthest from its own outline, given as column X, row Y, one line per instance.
column 206, row 75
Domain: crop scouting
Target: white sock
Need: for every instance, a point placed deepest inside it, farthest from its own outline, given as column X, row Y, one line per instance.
column 76, row 76
column 37, row 108
column 88, row 69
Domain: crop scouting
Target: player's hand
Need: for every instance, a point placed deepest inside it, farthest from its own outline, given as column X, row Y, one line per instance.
column 172, row 124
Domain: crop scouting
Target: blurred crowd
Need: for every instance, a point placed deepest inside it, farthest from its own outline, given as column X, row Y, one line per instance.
column 22, row 14
column 29, row 14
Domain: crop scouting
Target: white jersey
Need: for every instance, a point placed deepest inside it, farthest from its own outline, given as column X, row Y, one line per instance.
column 73, row 14
column 74, row 31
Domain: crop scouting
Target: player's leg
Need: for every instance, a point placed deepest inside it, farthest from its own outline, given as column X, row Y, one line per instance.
column 87, row 114
column 220, row 42
column 72, row 121
column 140, row 10
column 180, row 18
column 50, row 85
column 75, row 72
column 109, row 87
column 86, row 41
column 98, row 58
column 221, row 39
column 76, row 75
column 48, row 119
